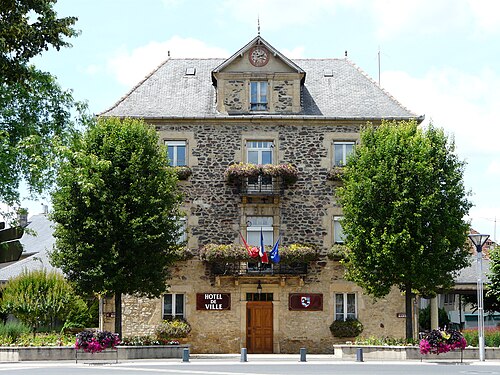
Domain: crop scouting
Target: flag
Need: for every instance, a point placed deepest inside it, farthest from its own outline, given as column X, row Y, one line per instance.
column 252, row 252
column 262, row 250
column 274, row 254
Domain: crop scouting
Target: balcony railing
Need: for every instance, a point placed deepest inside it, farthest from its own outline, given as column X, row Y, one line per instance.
column 257, row 269
column 262, row 185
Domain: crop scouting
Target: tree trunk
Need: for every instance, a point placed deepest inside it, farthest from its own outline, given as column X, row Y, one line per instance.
column 118, row 314
column 409, row 315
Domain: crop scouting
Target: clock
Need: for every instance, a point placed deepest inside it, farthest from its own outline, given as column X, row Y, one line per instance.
column 258, row 56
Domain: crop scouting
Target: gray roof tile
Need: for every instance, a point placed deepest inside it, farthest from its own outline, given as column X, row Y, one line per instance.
column 168, row 93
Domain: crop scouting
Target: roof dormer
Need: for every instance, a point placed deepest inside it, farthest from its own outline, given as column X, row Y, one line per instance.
column 258, row 79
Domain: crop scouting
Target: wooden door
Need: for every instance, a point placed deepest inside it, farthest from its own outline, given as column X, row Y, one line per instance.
column 260, row 327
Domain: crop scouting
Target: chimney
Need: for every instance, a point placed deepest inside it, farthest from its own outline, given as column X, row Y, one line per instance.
column 22, row 217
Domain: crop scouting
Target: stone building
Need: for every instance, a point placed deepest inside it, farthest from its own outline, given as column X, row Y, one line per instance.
column 260, row 107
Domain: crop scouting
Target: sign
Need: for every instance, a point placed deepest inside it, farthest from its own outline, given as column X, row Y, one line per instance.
column 304, row 301
column 213, row 301
column 401, row 315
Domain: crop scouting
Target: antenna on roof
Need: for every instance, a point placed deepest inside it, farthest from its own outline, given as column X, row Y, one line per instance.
column 258, row 25
column 379, row 65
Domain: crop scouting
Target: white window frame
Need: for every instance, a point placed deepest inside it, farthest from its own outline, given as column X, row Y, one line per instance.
column 262, row 103
column 174, row 314
column 344, row 306
column 254, row 226
column 343, row 146
column 182, row 234
column 175, row 144
column 260, row 146
column 337, row 226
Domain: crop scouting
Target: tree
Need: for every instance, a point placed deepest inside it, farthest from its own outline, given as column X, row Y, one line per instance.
column 493, row 287
column 115, row 209
column 404, row 202
column 35, row 113
column 23, row 37
column 39, row 298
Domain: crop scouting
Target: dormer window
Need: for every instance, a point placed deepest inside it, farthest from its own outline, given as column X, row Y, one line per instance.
column 258, row 96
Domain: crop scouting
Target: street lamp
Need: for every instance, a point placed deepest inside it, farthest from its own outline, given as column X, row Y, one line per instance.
column 479, row 240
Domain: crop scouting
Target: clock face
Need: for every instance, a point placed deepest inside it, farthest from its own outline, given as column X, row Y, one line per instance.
column 258, row 56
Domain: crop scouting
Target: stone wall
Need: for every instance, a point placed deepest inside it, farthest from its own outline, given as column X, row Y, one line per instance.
column 225, row 331
column 217, row 212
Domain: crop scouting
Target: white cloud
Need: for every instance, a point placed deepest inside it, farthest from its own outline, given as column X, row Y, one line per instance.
column 130, row 67
column 494, row 168
column 279, row 14
column 465, row 105
column 426, row 17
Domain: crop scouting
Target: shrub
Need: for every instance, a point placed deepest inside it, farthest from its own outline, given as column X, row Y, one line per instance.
column 11, row 331
column 41, row 339
column 384, row 341
column 146, row 341
column 39, row 298
column 172, row 329
column 346, row 328
column 491, row 337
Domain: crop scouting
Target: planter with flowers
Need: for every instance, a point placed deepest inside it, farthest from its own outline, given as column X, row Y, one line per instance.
column 238, row 172
column 336, row 174
column 96, row 341
column 183, row 172
column 437, row 341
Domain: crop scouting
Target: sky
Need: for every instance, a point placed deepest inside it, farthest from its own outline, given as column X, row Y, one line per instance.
column 439, row 58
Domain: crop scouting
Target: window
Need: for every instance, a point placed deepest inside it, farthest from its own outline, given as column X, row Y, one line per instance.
column 182, row 233
column 258, row 95
column 176, row 153
column 338, row 232
column 345, row 306
column 449, row 299
column 254, row 226
column 173, row 306
column 260, row 152
column 341, row 151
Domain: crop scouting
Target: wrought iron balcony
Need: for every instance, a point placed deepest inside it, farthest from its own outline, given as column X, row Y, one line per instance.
column 257, row 269
column 262, row 186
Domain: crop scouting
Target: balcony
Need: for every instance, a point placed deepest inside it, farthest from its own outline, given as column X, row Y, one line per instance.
column 257, row 269
column 262, row 186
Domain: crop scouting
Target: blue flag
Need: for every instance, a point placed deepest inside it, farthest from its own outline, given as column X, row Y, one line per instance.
column 274, row 254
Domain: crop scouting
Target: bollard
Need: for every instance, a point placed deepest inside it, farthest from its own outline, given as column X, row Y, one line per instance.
column 185, row 355
column 243, row 355
column 303, row 354
column 359, row 355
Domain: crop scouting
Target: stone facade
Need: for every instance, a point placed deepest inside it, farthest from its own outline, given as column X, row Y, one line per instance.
column 299, row 121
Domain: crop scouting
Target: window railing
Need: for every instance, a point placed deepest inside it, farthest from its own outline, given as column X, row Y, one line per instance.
column 257, row 269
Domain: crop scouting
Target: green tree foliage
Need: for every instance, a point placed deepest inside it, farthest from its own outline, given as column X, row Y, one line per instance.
column 115, row 210
column 35, row 113
column 404, row 204
column 27, row 28
column 493, row 287
column 39, row 298
column 424, row 318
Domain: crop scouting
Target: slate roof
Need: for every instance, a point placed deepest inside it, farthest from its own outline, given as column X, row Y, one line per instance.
column 468, row 275
column 349, row 94
column 37, row 244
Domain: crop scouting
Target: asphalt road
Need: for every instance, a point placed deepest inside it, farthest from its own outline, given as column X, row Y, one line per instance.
column 274, row 366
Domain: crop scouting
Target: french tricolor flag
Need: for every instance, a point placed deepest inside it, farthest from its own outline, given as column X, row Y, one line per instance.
column 262, row 250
